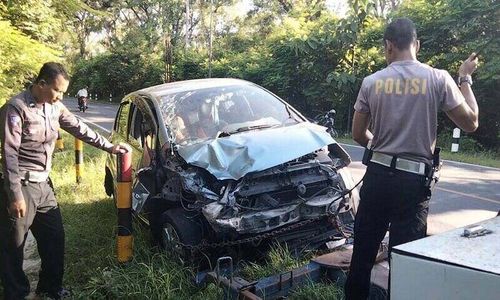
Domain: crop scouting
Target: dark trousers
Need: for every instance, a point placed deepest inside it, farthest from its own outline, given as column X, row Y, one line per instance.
column 390, row 199
column 43, row 218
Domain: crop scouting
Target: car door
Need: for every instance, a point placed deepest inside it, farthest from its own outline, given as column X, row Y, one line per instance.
column 119, row 132
column 142, row 137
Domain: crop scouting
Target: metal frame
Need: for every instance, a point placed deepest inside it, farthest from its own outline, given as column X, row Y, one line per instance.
column 331, row 267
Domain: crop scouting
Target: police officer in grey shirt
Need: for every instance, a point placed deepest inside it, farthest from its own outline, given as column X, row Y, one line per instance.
column 396, row 117
column 29, row 124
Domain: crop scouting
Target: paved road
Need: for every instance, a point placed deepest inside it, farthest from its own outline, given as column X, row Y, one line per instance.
column 100, row 113
column 466, row 193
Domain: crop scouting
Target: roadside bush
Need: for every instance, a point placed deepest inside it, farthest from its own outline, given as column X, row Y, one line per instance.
column 466, row 143
column 20, row 59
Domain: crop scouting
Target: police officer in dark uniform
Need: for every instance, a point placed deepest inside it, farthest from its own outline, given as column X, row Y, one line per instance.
column 29, row 124
column 396, row 119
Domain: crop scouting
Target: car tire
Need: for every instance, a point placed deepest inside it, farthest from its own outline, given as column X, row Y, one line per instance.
column 180, row 227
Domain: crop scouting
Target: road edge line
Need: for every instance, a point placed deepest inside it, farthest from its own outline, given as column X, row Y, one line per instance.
column 93, row 124
column 468, row 195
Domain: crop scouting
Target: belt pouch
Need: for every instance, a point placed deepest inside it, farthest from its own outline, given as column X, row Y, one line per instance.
column 367, row 156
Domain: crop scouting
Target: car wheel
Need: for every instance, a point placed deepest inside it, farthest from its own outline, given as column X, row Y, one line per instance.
column 180, row 228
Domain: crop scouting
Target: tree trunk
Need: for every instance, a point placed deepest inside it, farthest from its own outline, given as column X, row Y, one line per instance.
column 168, row 58
column 83, row 52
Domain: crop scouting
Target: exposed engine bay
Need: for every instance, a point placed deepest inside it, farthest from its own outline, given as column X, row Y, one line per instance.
column 311, row 186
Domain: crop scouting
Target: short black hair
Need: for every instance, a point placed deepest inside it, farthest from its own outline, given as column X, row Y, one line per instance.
column 401, row 32
column 50, row 71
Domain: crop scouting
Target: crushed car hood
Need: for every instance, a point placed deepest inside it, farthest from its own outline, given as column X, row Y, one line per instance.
column 234, row 156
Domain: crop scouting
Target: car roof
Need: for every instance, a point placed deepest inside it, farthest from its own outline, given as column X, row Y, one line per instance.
column 158, row 91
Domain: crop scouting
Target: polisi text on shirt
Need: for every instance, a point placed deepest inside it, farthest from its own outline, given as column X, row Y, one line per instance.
column 398, row 86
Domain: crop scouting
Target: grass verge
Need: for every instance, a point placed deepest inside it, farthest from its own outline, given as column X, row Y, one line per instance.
column 92, row 271
column 486, row 158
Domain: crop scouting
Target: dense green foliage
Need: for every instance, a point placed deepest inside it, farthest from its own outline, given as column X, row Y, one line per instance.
column 20, row 57
column 303, row 51
column 25, row 31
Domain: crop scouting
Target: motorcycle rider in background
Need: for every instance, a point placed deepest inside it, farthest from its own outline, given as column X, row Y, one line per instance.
column 82, row 97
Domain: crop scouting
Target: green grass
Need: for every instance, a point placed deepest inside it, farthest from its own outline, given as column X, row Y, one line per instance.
column 278, row 260
column 484, row 158
column 318, row 291
column 92, row 271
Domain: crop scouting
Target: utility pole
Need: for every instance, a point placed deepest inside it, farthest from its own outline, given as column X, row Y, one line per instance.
column 210, row 41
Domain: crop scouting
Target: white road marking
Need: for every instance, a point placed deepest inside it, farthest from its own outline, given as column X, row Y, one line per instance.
column 468, row 195
column 94, row 124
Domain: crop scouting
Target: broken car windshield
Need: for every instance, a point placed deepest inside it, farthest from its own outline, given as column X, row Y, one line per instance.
column 197, row 115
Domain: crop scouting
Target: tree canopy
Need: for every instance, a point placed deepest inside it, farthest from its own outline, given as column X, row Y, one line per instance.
column 314, row 54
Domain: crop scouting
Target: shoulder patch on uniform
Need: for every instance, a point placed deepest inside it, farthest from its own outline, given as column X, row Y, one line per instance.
column 14, row 120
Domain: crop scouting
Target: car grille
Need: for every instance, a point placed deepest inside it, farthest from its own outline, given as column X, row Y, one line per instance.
column 286, row 184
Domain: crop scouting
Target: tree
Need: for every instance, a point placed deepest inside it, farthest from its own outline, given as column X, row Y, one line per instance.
column 21, row 58
column 299, row 49
column 35, row 19
column 28, row 31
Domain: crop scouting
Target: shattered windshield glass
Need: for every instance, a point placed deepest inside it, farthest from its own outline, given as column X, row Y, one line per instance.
column 198, row 115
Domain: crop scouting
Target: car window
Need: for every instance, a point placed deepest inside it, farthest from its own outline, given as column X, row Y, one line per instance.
column 148, row 139
column 197, row 115
column 134, row 132
column 122, row 118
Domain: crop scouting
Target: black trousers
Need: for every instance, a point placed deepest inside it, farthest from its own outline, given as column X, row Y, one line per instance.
column 43, row 218
column 390, row 200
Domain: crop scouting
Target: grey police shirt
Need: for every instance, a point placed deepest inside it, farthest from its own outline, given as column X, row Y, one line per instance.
column 403, row 101
column 28, row 132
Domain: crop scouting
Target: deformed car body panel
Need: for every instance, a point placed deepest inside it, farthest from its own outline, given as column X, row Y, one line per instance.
column 282, row 196
column 267, row 220
column 234, row 156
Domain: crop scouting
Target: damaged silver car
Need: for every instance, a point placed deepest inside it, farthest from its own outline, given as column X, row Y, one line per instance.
column 223, row 165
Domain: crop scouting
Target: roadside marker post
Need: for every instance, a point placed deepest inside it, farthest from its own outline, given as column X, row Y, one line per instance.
column 59, row 141
column 456, row 138
column 78, row 160
column 110, row 97
column 125, row 239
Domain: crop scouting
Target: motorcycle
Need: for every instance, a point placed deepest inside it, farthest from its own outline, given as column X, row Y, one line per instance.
column 327, row 119
column 82, row 104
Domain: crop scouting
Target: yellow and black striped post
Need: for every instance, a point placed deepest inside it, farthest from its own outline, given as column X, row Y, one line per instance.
column 59, row 141
column 78, row 160
column 124, row 240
